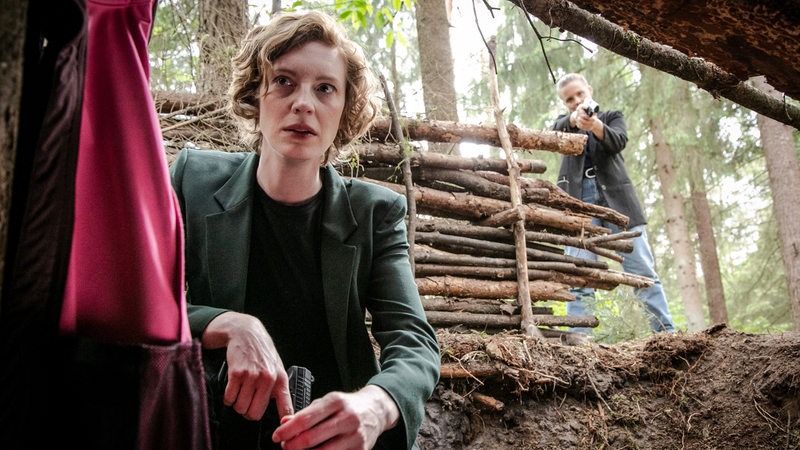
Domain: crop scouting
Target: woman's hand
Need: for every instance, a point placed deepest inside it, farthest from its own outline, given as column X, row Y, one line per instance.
column 255, row 370
column 340, row 421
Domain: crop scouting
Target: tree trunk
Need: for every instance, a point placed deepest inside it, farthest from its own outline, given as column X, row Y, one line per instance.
column 707, row 243
column 436, row 65
column 678, row 231
column 223, row 23
column 784, row 173
column 13, row 22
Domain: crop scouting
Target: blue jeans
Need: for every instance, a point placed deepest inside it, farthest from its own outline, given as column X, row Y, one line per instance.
column 639, row 262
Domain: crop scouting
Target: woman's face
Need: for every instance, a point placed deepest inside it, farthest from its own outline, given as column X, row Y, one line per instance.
column 303, row 103
column 574, row 93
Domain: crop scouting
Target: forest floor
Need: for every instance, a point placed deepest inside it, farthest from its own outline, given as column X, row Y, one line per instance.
column 715, row 389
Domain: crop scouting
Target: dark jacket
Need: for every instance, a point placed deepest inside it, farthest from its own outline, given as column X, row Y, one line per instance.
column 613, row 183
column 364, row 262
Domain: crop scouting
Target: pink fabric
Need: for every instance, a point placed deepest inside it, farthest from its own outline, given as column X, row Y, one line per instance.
column 125, row 280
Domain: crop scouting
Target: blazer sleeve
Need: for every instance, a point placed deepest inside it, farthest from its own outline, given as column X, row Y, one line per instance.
column 188, row 199
column 409, row 356
column 615, row 134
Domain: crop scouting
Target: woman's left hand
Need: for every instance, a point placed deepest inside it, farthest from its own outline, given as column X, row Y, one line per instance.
column 339, row 421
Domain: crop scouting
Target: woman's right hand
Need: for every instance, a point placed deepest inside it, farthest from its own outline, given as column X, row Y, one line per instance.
column 255, row 370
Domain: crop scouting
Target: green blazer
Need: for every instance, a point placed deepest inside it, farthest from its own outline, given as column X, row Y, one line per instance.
column 364, row 265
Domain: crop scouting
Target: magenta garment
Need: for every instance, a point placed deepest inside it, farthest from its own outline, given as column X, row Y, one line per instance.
column 125, row 276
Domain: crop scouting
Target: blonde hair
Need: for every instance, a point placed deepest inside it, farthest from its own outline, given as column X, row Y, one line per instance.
column 286, row 31
column 569, row 78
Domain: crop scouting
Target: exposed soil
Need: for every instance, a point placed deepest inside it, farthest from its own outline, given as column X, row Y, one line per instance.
column 717, row 389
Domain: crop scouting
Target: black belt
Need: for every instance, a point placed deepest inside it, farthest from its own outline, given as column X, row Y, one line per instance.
column 590, row 172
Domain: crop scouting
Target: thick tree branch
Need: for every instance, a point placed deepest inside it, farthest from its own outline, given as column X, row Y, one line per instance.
column 707, row 76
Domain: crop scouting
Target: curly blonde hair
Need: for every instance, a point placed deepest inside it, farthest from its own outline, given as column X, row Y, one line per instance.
column 285, row 32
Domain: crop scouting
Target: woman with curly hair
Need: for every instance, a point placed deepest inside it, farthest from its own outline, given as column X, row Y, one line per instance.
column 284, row 257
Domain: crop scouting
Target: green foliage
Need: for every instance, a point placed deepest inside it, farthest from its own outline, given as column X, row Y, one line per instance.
column 173, row 47
column 381, row 15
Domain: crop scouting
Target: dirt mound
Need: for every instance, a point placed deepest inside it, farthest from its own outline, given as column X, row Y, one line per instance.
column 717, row 389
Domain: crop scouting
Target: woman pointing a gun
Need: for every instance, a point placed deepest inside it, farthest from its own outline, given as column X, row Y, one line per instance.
column 598, row 176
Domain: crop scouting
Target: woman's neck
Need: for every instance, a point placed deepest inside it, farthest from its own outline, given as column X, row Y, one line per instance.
column 289, row 184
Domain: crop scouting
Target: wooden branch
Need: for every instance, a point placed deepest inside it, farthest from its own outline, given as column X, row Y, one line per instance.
column 565, row 15
column 455, row 132
column 469, row 207
column 508, row 273
column 448, row 319
column 468, row 287
column 497, row 249
column 407, row 177
column 477, row 305
column 462, row 181
column 487, row 401
column 520, row 243
column 427, row 255
column 195, row 119
column 376, row 153
column 452, row 371
column 617, row 241
column 559, row 199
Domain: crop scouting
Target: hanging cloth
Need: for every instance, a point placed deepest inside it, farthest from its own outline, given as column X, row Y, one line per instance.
column 124, row 299
column 125, row 277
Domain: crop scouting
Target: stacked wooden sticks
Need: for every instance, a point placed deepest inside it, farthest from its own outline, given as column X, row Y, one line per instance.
column 464, row 247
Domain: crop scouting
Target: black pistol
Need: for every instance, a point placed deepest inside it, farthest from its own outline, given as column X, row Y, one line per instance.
column 300, row 380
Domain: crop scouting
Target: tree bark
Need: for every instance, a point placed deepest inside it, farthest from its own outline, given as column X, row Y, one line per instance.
column 385, row 154
column 477, row 305
column 678, row 230
column 449, row 319
column 436, row 65
column 707, row 243
column 223, row 23
column 784, row 173
column 468, row 287
column 565, row 15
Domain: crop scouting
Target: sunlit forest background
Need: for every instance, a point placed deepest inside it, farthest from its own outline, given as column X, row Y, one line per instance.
column 715, row 144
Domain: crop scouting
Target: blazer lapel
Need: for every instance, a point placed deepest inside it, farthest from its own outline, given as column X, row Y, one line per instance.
column 228, row 258
column 338, row 263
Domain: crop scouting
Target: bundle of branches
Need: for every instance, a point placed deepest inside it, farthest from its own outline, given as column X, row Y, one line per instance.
column 464, row 252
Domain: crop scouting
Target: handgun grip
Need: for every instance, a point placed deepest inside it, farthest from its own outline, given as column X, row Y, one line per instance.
column 300, row 380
